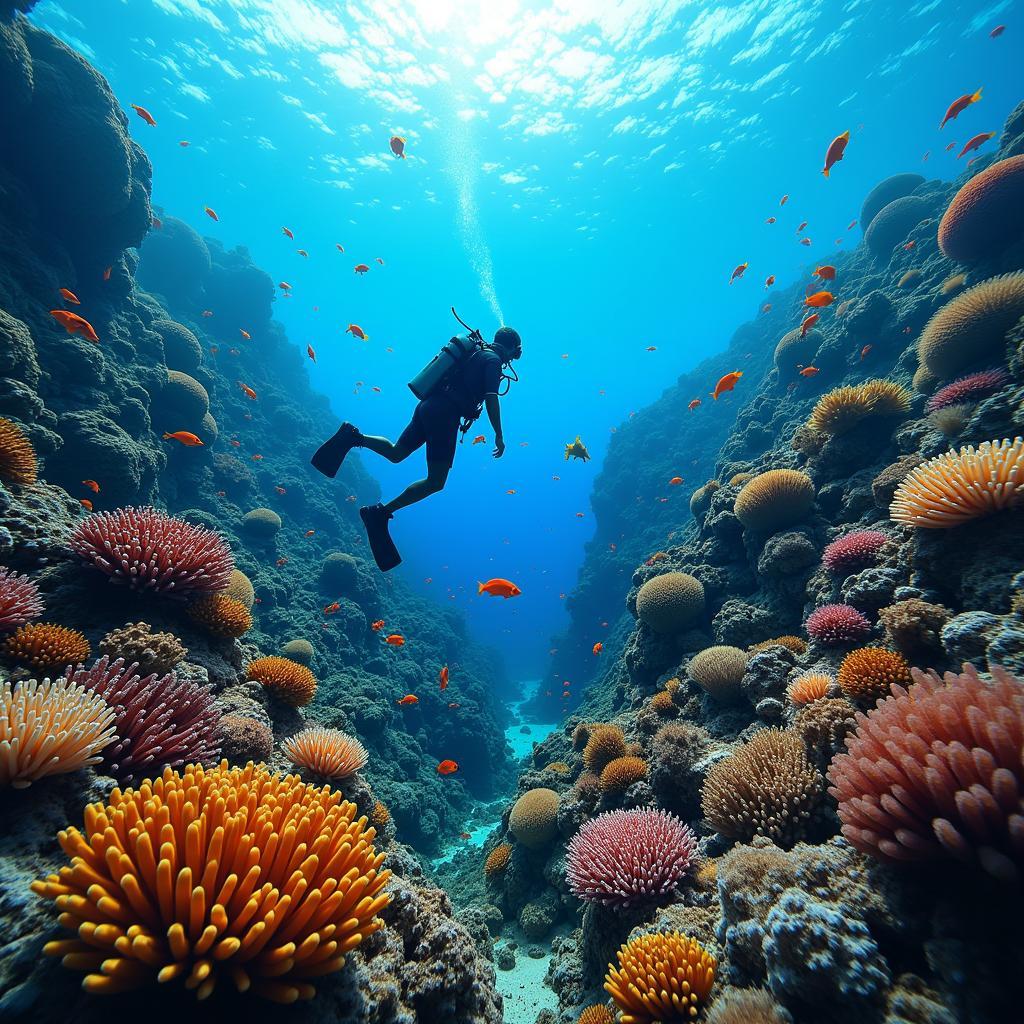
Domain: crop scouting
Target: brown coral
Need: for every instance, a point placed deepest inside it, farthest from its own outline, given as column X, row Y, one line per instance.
column 662, row 703
column 44, row 647
column 914, row 625
column 596, row 1014
column 808, row 688
column 221, row 616
column 775, row 499
column 497, row 860
column 719, row 671
column 971, row 329
column 290, row 682
column 791, row 643
column 605, row 743
column 533, row 820
column 255, row 905
column 137, row 644
column 17, row 456
column 670, row 602
column 987, row 214
column 867, row 673
column 329, row 753
column 823, row 726
column 245, row 739
column 766, row 788
column 380, row 816
column 618, row 775
column 747, row 1006
column 841, row 409
column 700, row 500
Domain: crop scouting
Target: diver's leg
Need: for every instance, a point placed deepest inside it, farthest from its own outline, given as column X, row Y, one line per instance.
column 436, row 478
column 390, row 450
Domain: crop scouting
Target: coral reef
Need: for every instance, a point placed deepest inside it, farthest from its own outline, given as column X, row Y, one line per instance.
column 245, row 739
column 137, row 643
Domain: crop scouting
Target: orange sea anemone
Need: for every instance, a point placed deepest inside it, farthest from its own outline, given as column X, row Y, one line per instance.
column 287, row 680
column 329, row 753
column 618, row 775
column 867, row 673
column 220, row 615
column 44, row 647
column 17, row 456
column 808, row 688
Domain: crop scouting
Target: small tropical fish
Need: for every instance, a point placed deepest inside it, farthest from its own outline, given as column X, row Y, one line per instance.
column 376, row 389
column 69, row 296
column 206, row 314
column 144, row 114
column 770, row 220
column 997, row 32
column 949, row 146
column 959, row 105
column 184, row 143
column 186, row 438
column 510, row 491
column 284, row 286
column 447, row 767
column 85, row 503
column 865, row 350
column 107, row 273
column 256, row 458
column 211, row 213
column 738, row 272
column 598, row 648
column 395, row 640
column 808, row 322
column 247, row 391
column 311, row 353
column 442, row 678
column 805, row 241
column 810, row 371
column 927, row 154
column 379, row 260
column 577, row 450
column 694, row 404
column 357, row 332
column 235, row 443
column 766, row 308
column 74, row 324
column 651, row 348
column 851, row 225
column 819, row 300
column 280, row 562
column 675, row 481
column 303, row 253
column 726, row 383
column 579, row 515
column 803, row 224
column 975, row 142
column 245, row 334
column 479, row 439
column 361, row 268
column 339, row 247
column 222, row 494
column 330, row 609
column 769, row 281
column 498, row 587
column 397, row 144
column 280, row 490
column 784, row 200
column 835, row 151
column 463, row 835
column 556, row 478
column 826, row 273
column 409, row 698
column 288, row 232
column 454, row 704
column 377, row 626
column 92, row 485
column 309, row 533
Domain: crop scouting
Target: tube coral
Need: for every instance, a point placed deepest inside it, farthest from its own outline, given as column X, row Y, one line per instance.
column 329, row 753
column 19, row 600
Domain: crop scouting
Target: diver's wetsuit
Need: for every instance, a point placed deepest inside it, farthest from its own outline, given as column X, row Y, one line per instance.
column 435, row 421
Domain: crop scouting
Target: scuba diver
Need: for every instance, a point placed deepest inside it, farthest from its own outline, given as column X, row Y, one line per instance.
column 462, row 380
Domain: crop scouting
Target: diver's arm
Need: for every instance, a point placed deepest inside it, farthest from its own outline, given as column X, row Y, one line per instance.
column 493, row 407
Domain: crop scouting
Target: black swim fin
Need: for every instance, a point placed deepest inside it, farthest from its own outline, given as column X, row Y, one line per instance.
column 331, row 454
column 375, row 520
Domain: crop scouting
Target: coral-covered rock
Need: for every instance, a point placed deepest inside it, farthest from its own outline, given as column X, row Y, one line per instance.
column 987, row 214
column 175, row 263
column 261, row 522
column 885, row 192
column 137, row 644
column 894, row 222
column 182, row 350
column 245, row 739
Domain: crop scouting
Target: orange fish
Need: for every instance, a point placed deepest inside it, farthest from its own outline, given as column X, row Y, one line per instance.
column 598, row 648
column 311, row 353
column 769, row 281
column 330, row 609
column 339, row 247
column 361, row 268
column 287, row 231
column 74, row 324
column 997, row 32
column 397, row 144
column 85, row 503
column 92, row 485
column 144, row 114
column 784, row 200
column 835, row 151
column 447, row 767
column 810, row 371
column 975, row 142
column 442, row 678
column 395, row 640
column 819, row 300
column 805, row 241
column 206, row 313
column 826, row 273
column 675, row 481
column 512, row 491
column 498, row 587
column 738, row 272
column 211, row 213
column 803, row 224
column 70, row 296
column 910, row 245
column 303, row 253
column 184, row 143
column 187, row 439
column 726, row 383
column 309, row 533
column 245, row 334
column 694, row 404
column 865, row 350
column 280, row 490
column 959, row 105
column 257, row 458
column 409, row 698
column 808, row 322
column 651, row 348
column 770, row 220
column 377, row 626
column 479, row 439
column 357, row 332
column 107, row 273
column 281, row 561
column 247, row 391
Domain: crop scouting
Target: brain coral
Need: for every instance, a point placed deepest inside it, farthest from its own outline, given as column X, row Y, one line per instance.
column 217, row 930
column 17, row 456
column 936, row 771
column 299, row 650
column 137, row 644
column 972, row 327
column 245, row 739
column 700, row 500
column 497, row 860
column 987, row 214
column 766, row 788
column 329, row 753
column 747, row 1006
column 774, row 500
column 159, row 720
column 149, row 550
column 19, row 600
column 794, row 348
column 971, row 388
column 843, row 408
column 867, row 673
column 182, row 350
column 719, row 671
column 44, row 647
column 181, row 404
column 221, row 615
column 604, row 744
column 48, row 729
column 853, row 550
column 894, row 222
column 624, row 857
column 835, row 624
column 661, row 979
column 618, row 775
column 240, row 588
column 339, row 571
column 885, row 192
column 290, row 682
column 670, row 602
column 261, row 522
column 533, row 820
column 960, row 486
column 808, row 688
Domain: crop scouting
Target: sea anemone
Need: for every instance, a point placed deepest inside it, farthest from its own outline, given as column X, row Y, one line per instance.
column 604, row 744
column 160, row 720
column 972, row 327
column 987, row 214
column 17, row 456
column 49, row 728
column 867, row 673
column 19, row 600
column 43, row 647
column 960, row 486
column 497, row 860
column 275, row 879
column 624, row 857
column 151, row 551
column 774, row 500
column 534, row 818
column 971, row 388
column 329, row 753
column 221, row 616
column 935, row 771
column 150, row 652
column 841, row 409
column 834, row 624
column 853, row 550
column 618, row 775
column 287, row 680
column 245, row 739
column 808, row 688
column 766, row 788
column 719, row 671
column 670, row 602
column 662, row 978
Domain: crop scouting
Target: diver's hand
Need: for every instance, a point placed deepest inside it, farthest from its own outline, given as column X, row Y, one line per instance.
column 499, row 447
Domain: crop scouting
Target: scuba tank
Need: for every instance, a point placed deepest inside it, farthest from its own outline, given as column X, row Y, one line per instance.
column 433, row 376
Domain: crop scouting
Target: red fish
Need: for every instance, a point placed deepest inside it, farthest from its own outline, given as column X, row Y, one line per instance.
column 975, row 142
column 409, row 698
column 819, row 300
column 865, row 350
column 675, row 481
column 726, row 383
column 479, row 439
column 257, row 458
column 738, row 272
column 74, row 324
column 69, row 296
column 280, row 490
column 309, row 533
column 805, row 241
column 144, row 114
column 808, row 322
column 330, row 609
column 447, row 767
column 598, row 648
column 189, row 440
column 92, row 485
column 851, row 225
column 463, row 835
column 694, row 404
column 770, row 220
column 949, row 146
column 454, row 704
column 85, row 503
column 959, row 105
column 184, row 143
column 810, row 371
column 784, row 200
column 769, row 281
column 287, row 231
column 826, row 273
column 284, row 286
column 361, row 268
column 107, row 273
column 357, row 332
column 442, row 678
column 211, row 213
column 235, row 443
column 281, row 561
column 997, row 32
column 395, row 640
column 247, row 391
column 397, row 144
column 835, row 151
column 377, row 626
column 910, row 245
column 498, row 587
column 803, row 224
column 311, row 353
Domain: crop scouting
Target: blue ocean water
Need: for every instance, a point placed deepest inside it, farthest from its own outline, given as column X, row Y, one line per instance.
column 588, row 173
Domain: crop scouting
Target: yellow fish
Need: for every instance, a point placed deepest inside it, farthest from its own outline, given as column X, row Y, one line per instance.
column 577, row 450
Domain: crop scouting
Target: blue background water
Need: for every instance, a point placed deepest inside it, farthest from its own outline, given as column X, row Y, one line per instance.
column 589, row 173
